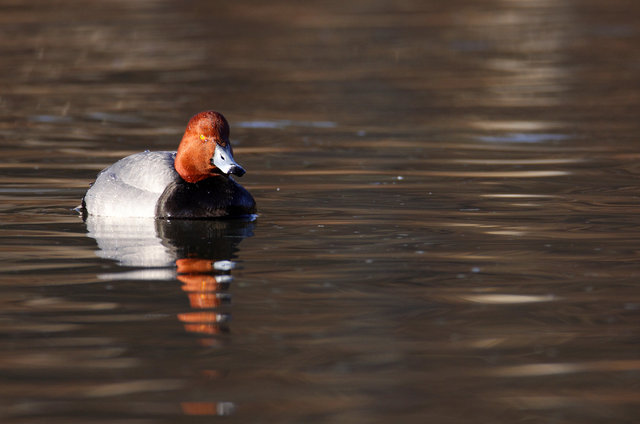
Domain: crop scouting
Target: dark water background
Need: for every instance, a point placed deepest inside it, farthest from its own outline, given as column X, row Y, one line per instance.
column 448, row 196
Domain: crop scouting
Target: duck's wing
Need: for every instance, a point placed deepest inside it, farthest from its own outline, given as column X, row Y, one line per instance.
column 131, row 187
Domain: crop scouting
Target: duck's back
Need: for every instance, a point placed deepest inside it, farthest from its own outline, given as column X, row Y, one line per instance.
column 132, row 186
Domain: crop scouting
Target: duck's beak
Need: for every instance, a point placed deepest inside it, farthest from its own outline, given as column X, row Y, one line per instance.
column 223, row 160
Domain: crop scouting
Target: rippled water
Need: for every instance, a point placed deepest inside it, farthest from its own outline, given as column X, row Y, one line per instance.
column 447, row 230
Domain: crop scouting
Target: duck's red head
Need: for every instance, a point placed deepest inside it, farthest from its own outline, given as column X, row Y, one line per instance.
column 205, row 149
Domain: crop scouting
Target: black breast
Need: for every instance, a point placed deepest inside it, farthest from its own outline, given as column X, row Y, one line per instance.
column 214, row 197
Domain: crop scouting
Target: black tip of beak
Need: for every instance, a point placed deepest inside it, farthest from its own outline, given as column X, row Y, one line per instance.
column 237, row 170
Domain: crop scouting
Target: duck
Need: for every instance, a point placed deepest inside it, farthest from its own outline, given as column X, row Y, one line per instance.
column 194, row 182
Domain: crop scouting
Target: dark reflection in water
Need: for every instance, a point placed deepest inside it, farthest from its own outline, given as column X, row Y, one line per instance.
column 447, row 191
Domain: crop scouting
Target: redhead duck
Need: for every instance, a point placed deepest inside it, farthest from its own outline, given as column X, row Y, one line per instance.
column 193, row 183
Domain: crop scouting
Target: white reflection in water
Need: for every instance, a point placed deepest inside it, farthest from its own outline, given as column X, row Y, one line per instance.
column 517, row 196
column 140, row 274
column 131, row 242
column 506, row 298
column 532, row 161
column 507, row 233
column 524, row 138
column 516, row 126
column 284, row 123
column 533, row 370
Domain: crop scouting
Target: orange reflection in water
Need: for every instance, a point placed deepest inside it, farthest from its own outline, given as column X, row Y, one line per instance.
column 204, row 292
column 207, row 408
column 204, row 300
column 193, row 265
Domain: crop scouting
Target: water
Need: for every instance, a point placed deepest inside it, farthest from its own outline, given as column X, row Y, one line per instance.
column 447, row 225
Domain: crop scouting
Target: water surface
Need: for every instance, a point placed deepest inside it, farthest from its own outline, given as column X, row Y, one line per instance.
column 447, row 225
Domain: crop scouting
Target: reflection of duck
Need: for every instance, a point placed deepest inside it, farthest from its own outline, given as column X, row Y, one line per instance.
column 193, row 182
column 163, row 245
column 198, row 253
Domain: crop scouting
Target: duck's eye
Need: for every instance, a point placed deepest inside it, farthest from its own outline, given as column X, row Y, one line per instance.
column 203, row 138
